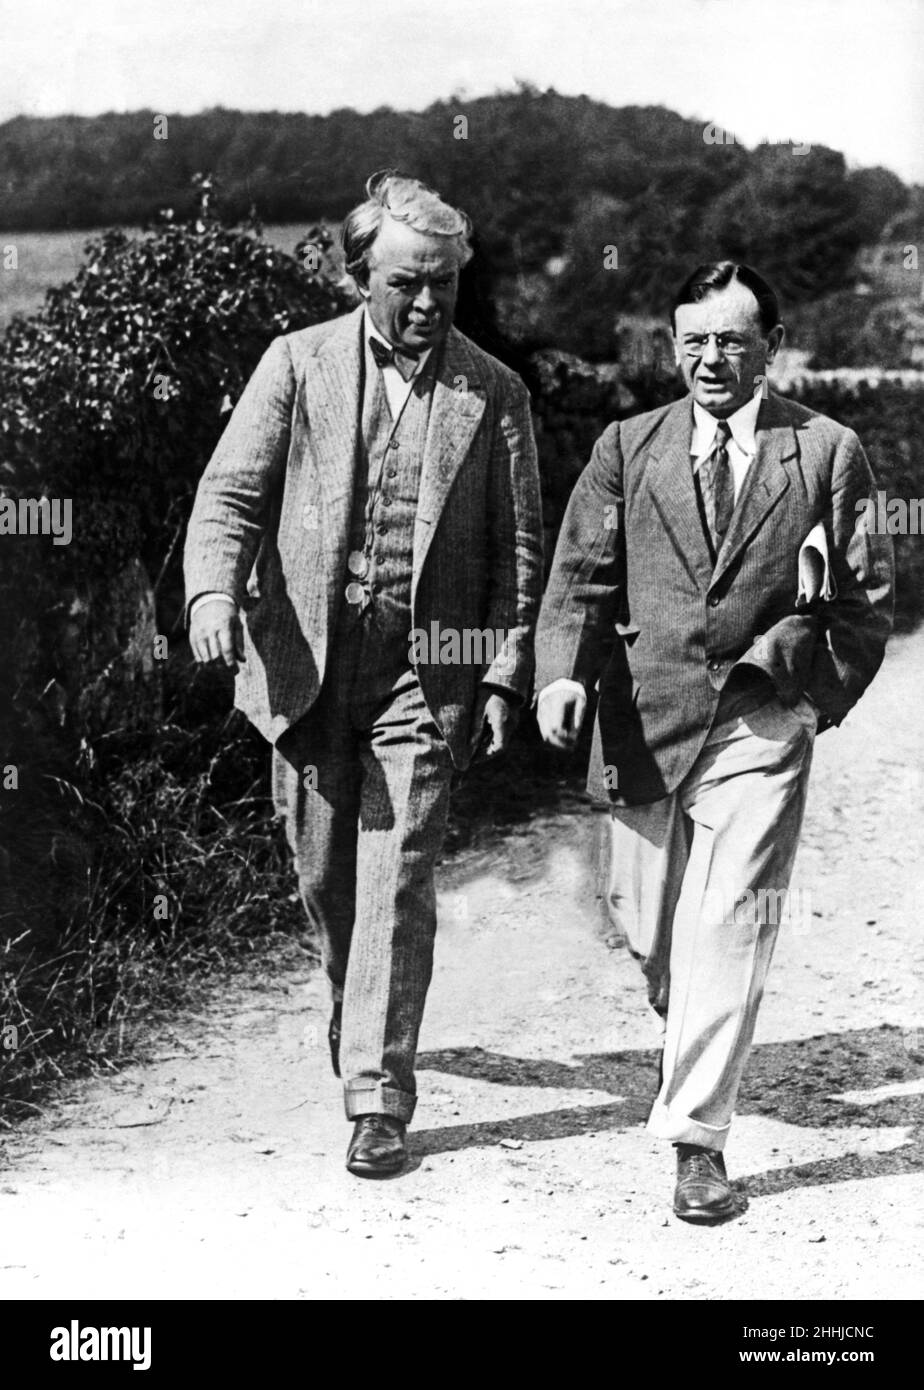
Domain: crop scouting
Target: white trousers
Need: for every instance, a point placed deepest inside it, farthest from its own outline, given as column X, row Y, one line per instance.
column 697, row 883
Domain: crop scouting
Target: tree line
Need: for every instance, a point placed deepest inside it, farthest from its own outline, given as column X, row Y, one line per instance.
column 550, row 180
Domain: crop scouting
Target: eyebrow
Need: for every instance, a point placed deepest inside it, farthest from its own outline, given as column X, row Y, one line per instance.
column 405, row 270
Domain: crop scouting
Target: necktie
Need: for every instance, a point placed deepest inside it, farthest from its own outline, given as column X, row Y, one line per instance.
column 406, row 362
column 718, row 486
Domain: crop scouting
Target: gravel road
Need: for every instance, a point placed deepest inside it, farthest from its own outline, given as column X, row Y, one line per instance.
column 217, row 1169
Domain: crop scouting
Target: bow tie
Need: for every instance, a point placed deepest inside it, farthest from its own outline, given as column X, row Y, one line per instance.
column 406, row 362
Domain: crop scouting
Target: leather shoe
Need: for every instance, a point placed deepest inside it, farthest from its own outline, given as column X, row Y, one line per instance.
column 378, row 1146
column 333, row 1037
column 703, row 1192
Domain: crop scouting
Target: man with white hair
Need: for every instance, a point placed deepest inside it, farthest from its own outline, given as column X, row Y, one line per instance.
column 378, row 477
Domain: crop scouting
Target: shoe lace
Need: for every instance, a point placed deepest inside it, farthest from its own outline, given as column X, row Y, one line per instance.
column 700, row 1162
column 381, row 1125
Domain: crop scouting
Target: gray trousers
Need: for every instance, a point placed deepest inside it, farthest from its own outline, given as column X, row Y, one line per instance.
column 362, row 783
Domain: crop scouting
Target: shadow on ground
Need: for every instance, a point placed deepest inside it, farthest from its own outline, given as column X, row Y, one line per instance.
column 824, row 1082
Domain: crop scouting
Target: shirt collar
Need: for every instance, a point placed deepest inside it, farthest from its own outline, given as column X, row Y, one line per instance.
column 372, row 332
column 743, row 426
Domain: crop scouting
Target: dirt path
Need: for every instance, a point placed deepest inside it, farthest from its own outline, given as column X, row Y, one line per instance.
column 218, row 1170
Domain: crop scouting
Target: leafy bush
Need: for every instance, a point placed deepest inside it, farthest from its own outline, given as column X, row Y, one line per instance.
column 851, row 330
column 112, row 398
column 113, row 394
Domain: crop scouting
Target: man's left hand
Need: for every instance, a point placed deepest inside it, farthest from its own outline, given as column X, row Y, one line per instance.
column 496, row 717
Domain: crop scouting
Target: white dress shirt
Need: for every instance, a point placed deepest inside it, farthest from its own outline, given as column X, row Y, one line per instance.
column 397, row 392
column 742, row 446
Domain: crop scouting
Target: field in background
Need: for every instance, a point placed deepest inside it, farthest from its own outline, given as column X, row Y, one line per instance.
column 46, row 259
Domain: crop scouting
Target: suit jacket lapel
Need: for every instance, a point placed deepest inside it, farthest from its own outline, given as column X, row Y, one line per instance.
column 766, row 480
column 459, row 398
column 670, row 481
column 332, row 400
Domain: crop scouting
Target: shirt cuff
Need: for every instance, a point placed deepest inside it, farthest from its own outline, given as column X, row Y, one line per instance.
column 209, row 598
column 513, row 697
column 563, row 683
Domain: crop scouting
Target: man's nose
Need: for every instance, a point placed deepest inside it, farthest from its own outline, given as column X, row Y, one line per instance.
column 711, row 353
column 424, row 299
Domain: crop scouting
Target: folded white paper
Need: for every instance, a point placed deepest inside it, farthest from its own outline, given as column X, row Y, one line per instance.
column 815, row 577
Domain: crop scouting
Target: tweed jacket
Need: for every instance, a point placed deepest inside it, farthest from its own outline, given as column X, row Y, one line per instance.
column 271, row 524
column 636, row 606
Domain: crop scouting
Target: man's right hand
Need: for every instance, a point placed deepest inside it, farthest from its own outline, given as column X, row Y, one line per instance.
column 215, row 633
column 560, row 714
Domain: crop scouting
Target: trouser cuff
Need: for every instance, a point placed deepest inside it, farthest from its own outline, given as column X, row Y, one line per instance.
column 680, row 1129
column 367, row 1097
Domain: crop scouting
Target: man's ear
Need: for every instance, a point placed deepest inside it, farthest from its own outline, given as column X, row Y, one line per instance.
column 677, row 353
column 775, row 341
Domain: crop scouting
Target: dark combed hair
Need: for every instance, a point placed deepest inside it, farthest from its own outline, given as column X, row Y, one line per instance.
column 715, row 275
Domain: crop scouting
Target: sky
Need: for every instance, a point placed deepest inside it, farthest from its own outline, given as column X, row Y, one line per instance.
column 843, row 73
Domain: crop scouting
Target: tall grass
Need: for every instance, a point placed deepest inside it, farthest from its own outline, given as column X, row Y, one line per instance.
column 165, row 868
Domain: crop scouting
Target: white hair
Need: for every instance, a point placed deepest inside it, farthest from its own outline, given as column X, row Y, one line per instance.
column 407, row 200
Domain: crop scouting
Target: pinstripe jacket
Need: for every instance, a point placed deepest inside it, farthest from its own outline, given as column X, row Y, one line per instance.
column 271, row 522
column 635, row 603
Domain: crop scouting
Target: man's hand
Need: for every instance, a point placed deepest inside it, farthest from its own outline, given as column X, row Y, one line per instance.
column 493, row 725
column 215, row 633
column 560, row 714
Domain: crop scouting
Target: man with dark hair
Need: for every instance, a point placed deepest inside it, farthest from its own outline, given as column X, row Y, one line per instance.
column 377, row 479
column 712, row 581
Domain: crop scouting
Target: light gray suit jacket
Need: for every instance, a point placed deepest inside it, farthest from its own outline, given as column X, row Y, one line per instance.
column 271, row 523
